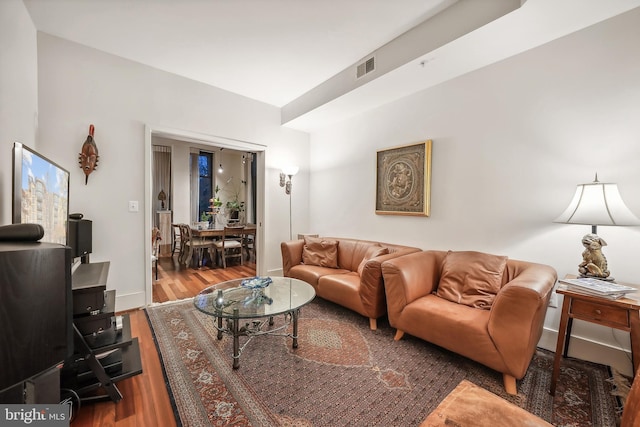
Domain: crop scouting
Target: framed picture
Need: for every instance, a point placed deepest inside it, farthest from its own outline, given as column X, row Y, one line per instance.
column 403, row 180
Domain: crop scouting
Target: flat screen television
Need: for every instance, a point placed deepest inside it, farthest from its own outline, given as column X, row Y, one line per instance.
column 40, row 193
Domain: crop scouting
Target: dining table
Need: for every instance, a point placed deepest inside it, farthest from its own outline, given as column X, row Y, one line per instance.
column 217, row 231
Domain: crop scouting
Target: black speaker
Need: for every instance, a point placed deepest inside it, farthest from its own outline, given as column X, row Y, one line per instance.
column 80, row 237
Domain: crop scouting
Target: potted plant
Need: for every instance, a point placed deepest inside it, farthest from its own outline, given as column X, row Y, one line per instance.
column 234, row 207
column 216, row 202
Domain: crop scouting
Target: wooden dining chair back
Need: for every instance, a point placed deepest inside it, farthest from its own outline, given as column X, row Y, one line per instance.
column 230, row 246
column 194, row 245
column 156, row 237
column 175, row 239
column 249, row 243
column 184, row 236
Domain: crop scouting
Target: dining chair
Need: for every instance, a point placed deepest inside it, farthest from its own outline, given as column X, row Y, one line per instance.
column 193, row 245
column 231, row 244
column 175, row 242
column 183, row 239
column 155, row 248
column 249, row 242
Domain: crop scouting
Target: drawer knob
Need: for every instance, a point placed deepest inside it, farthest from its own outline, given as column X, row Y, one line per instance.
column 598, row 312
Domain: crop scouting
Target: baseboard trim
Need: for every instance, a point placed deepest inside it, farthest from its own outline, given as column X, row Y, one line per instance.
column 592, row 351
column 131, row 301
column 275, row 272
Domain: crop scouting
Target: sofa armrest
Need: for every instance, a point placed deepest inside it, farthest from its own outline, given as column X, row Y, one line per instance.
column 517, row 315
column 291, row 255
column 409, row 277
column 371, row 281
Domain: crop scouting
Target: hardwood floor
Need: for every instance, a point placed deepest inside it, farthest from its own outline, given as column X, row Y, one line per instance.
column 145, row 399
column 176, row 282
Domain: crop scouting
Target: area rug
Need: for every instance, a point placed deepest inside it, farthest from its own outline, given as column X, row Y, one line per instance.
column 343, row 373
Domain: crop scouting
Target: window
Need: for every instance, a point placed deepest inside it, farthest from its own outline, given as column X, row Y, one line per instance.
column 206, row 169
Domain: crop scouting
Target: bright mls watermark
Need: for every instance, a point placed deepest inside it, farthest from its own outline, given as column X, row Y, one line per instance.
column 35, row 415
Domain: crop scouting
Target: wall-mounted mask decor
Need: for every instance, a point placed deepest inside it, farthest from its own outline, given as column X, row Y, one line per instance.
column 88, row 157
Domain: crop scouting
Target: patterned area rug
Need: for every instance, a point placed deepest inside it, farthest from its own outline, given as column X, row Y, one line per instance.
column 342, row 373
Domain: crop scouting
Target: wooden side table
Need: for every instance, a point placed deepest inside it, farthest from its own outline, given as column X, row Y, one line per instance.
column 623, row 314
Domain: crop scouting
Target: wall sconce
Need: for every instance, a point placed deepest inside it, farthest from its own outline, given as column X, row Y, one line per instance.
column 596, row 203
column 285, row 181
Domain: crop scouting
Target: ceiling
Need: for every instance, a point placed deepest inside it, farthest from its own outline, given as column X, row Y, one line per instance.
column 276, row 51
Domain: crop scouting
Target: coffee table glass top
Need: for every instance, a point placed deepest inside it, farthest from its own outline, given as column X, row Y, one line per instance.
column 282, row 295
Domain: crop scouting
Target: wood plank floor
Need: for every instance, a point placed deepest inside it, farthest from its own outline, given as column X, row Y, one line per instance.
column 145, row 398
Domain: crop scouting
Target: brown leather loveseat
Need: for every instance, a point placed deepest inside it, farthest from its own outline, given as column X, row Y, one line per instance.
column 485, row 307
column 344, row 271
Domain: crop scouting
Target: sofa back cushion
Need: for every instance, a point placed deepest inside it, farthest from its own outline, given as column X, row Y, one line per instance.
column 372, row 252
column 471, row 278
column 321, row 252
column 352, row 251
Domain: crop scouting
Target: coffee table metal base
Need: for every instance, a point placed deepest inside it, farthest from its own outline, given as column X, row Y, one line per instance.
column 255, row 328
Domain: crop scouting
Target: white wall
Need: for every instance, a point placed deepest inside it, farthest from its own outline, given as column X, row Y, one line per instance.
column 18, row 91
column 79, row 86
column 510, row 143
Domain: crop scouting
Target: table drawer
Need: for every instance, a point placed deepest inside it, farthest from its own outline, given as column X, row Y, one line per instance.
column 605, row 315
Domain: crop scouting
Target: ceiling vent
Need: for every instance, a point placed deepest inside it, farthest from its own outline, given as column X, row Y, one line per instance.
column 366, row 67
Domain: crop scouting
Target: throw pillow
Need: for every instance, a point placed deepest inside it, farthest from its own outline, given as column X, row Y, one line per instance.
column 372, row 252
column 320, row 252
column 471, row 278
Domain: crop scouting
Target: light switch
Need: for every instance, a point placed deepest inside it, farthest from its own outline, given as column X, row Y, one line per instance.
column 133, row 206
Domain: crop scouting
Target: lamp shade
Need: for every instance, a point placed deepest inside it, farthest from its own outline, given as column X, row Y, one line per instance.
column 598, row 203
column 290, row 170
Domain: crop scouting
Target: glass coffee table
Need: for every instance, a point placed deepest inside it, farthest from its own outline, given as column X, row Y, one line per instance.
column 247, row 307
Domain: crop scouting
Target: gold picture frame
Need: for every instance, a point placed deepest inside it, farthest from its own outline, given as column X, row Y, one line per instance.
column 403, row 180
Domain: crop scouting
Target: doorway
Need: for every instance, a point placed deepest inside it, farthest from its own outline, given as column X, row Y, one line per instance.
column 214, row 144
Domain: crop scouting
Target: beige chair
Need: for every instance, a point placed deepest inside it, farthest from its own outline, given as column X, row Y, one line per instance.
column 231, row 244
column 193, row 245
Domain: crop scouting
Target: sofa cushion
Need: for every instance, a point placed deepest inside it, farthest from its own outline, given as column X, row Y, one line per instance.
column 320, row 252
column 471, row 278
column 372, row 252
column 312, row 273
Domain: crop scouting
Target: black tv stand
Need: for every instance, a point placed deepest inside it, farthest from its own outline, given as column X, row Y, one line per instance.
column 104, row 350
column 35, row 308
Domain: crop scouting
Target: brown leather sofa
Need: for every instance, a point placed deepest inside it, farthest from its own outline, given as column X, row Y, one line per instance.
column 354, row 280
column 502, row 334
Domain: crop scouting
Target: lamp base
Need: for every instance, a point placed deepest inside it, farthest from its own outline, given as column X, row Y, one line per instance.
column 594, row 263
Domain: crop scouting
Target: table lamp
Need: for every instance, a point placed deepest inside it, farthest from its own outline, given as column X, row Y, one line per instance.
column 596, row 203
